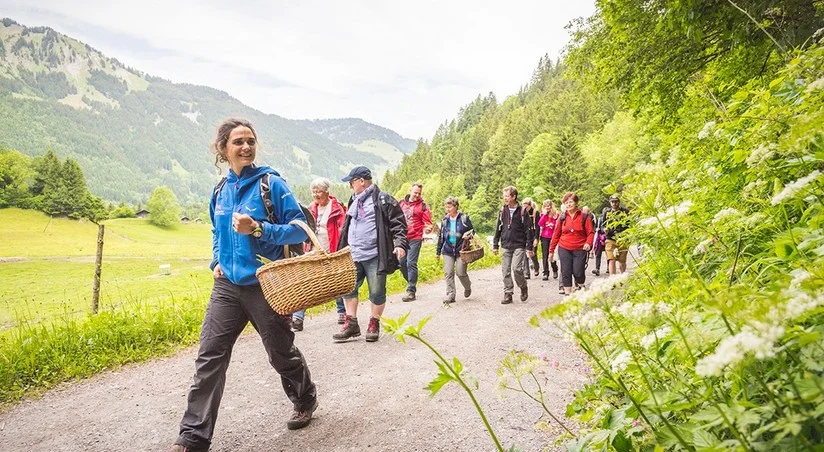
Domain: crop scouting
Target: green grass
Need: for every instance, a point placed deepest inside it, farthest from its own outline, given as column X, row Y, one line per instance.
column 47, row 334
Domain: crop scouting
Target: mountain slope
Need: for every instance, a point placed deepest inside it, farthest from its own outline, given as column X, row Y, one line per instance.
column 131, row 132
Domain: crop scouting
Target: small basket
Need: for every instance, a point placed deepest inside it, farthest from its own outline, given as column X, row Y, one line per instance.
column 312, row 279
column 473, row 250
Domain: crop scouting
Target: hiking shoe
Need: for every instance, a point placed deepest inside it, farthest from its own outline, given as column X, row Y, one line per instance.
column 341, row 318
column 409, row 296
column 545, row 278
column 182, row 448
column 507, row 298
column 349, row 330
column 554, row 274
column 537, row 271
column 524, row 293
column 448, row 300
column 374, row 330
column 596, row 272
column 467, row 292
column 561, row 290
column 297, row 324
column 301, row 418
column 526, row 276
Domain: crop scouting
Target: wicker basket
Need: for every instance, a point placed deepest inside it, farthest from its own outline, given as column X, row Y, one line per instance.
column 301, row 282
column 473, row 250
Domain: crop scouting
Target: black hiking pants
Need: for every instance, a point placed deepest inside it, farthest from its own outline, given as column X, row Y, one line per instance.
column 230, row 308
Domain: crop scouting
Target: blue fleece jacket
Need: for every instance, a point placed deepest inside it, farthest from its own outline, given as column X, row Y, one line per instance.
column 237, row 253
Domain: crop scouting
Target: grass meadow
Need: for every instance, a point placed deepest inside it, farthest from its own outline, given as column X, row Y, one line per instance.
column 48, row 334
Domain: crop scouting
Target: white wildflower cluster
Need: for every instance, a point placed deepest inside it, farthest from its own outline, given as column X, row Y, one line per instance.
column 800, row 303
column 701, row 248
column 657, row 335
column 592, row 319
column 754, row 188
column 621, row 361
column 663, row 308
column 817, row 84
column 668, row 217
column 799, row 275
column 758, row 340
column 706, row 130
column 760, row 154
column 637, row 312
column 792, row 189
column 725, row 214
column 712, row 171
column 754, row 220
column 599, row 288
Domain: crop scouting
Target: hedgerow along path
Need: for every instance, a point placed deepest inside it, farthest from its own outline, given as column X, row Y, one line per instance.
column 371, row 394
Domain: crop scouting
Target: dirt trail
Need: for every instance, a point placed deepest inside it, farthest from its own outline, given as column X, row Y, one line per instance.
column 370, row 394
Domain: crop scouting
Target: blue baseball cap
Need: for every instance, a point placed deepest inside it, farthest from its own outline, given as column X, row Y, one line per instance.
column 358, row 172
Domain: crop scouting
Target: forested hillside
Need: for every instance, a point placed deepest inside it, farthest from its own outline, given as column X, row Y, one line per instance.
column 131, row 132
column 708, row 118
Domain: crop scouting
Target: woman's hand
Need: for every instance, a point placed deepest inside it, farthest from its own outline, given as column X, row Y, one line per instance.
column 586, row 247
column 399, row 252
column 217, row 272
column 467, row 234
column 438, row 257
column 243, row 224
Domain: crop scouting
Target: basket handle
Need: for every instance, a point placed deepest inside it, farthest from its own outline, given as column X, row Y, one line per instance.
column 311, row 235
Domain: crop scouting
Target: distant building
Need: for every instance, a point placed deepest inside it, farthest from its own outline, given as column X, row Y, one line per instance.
column 184, row 220
column 142, row 213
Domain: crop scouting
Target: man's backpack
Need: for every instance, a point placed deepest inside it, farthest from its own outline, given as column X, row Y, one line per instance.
column 265, row 182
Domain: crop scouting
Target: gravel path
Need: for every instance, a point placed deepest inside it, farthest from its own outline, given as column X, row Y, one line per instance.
column 371, row 394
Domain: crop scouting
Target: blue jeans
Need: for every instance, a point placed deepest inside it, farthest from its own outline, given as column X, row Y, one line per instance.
column 409, row 265
column 339, row 305
column 368, row 270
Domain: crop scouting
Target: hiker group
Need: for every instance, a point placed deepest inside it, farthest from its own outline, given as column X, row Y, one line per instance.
column 251, row 210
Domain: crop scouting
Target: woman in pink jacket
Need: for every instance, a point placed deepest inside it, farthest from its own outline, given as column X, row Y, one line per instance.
column 547, row 221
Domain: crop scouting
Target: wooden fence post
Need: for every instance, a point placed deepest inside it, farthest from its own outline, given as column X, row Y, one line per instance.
column 98, row 263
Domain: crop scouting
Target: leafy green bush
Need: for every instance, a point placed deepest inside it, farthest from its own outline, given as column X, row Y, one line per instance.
column 717, row 340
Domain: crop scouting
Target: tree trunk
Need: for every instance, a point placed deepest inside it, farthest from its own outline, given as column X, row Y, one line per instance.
column 98, row 263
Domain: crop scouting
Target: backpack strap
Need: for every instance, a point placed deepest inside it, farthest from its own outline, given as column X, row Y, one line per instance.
column 219, row 186
column 265, row 190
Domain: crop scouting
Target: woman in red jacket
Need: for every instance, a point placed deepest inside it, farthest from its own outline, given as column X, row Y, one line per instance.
column 573, row 236
column 329, row 216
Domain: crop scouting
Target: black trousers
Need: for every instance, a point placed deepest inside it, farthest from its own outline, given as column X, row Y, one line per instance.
column 545, row 256
column 230, row 308
column 573, row 264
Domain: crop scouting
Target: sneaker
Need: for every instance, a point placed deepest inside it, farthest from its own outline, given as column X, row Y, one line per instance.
column 554, row 274
column 507, row 298
column 561, row 290
column 596, row 272
column 374, row 330
column 537, row 272
column 409, row 296
column 467, row 292
column 579, row 287
column 526, row 276
column 545, row 278
column 448, row 300
column 301, row 418
column 350, row 329
column 297, row 325
column 524, row 293
column 341, row 318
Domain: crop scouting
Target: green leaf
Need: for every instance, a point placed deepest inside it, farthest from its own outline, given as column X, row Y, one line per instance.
column 457, row 366
column 621, row 443
column 703, row 438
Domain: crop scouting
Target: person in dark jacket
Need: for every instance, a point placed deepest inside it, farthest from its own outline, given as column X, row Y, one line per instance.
column 615, row 220
column 514, row 231
column 242, row 230
column 375, row 232
column 531, row 210
column 456, row 227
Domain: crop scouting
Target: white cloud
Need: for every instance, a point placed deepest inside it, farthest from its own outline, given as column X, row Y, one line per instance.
column 408, row 66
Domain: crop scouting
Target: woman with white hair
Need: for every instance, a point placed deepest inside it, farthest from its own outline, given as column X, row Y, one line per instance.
column 329, row 216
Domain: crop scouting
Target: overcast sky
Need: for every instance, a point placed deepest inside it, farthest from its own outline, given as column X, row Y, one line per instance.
column 407, row 66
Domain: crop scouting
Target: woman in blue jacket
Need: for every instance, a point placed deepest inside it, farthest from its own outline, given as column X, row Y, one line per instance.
column 242, row 229
column 455, row 228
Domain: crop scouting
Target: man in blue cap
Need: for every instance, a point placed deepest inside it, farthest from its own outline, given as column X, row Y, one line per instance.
column 375, row 232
